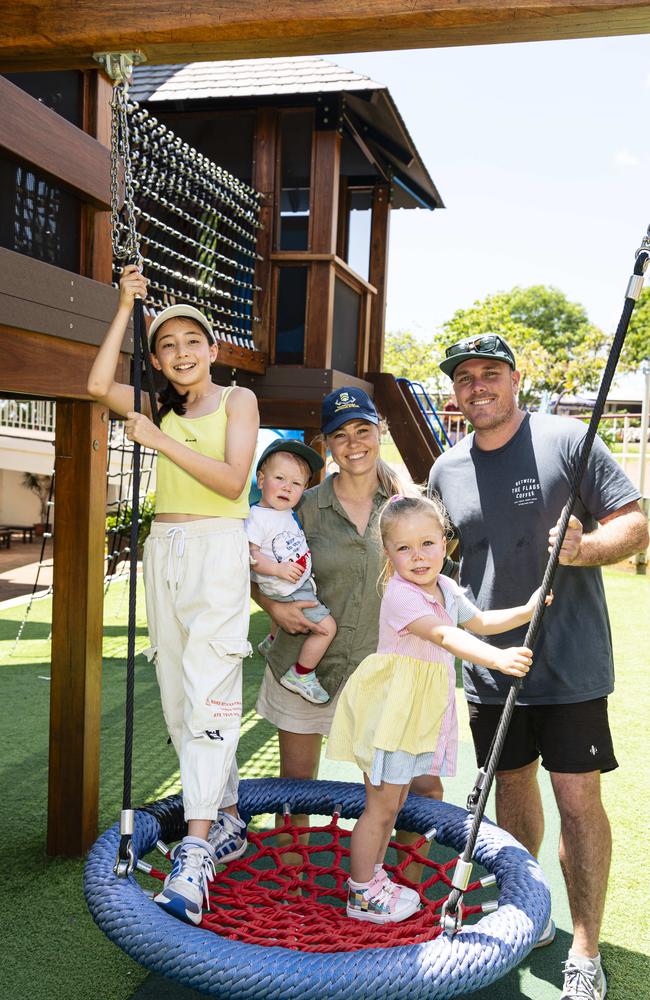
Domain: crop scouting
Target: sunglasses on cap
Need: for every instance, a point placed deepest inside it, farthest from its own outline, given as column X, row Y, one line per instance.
column 489, row 345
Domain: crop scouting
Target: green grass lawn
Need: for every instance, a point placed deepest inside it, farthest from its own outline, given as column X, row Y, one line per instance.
column 51, row 947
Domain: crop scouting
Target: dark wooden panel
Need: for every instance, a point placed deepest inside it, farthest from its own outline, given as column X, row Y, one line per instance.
column 240, row 357
column 51, row 34
column 46, row 299
column 264, row 172
column 38, row 365
column 280, row 381
column 73, row 796
column 36, row 135
column 320, row 315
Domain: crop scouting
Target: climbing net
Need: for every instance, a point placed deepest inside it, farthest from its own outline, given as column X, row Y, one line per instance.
column 290, row 893
column 196, row 225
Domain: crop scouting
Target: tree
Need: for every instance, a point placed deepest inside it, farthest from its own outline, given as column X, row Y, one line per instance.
column 40, row 486
column 637, row 342
column 558, row 349
column 405, row 356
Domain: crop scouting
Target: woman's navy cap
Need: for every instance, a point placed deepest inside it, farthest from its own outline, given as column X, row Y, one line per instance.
column 346, row 404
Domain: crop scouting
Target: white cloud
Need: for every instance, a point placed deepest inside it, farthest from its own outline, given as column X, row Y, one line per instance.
column 624, row 158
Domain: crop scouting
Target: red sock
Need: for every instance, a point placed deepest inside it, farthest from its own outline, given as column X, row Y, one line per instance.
column 301, row 671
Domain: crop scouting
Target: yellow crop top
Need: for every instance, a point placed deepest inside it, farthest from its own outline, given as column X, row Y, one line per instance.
column 177, row 492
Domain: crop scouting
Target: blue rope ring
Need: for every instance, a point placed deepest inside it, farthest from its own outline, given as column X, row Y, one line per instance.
column 232, row 970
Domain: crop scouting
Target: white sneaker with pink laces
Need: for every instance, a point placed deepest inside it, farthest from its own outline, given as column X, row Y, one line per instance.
column 379, row 901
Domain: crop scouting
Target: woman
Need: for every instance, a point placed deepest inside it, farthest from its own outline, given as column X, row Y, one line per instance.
column 339, row 518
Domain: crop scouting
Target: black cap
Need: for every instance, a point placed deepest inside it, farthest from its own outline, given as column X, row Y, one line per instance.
column 488, row 345
column 346, row 404
column 293, row 447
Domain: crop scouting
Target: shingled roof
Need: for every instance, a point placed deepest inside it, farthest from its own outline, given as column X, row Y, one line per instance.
column 370, row 109
column 244, row 78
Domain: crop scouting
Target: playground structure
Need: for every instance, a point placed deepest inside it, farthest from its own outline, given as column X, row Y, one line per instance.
column 55, row 294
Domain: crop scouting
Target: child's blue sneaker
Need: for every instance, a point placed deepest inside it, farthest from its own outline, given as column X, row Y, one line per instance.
column 306, row 685
column 227, row 838
column 264, row 647
column 186, row 887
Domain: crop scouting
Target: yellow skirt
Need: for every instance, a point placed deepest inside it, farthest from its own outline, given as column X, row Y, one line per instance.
column 390, row 703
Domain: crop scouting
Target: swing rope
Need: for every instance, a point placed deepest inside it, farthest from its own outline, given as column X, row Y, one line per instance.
column 126, row 247
column 477, row 800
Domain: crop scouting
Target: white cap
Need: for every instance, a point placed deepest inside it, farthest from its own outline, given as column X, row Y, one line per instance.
column 189, row 312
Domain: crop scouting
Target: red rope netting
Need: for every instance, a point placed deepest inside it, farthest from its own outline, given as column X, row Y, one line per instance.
column 281, row 893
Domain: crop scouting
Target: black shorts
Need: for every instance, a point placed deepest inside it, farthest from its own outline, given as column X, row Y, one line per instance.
column 570, row 739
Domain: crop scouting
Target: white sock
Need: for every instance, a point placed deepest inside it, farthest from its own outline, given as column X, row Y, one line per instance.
column 234, row 821
column 358, row 885
column 585, row 963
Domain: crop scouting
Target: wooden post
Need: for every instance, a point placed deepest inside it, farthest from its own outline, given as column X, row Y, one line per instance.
column 377, row 273
column 264, row 173
column 80, row 497
column 96, row 251
column 325, row 170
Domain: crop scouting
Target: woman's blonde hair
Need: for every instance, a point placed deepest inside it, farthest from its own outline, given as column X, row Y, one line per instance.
column 400, row 506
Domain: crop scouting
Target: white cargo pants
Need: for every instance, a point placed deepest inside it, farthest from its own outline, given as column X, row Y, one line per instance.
column 197, row 585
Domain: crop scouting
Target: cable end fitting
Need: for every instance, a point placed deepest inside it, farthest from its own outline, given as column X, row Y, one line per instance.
column 634, row 287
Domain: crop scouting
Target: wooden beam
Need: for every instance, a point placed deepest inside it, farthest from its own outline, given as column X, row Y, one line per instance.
column 46, row 299
column 37, row 136
column 80, row 498
column 53, row 34
column 34, row 364
column 378, row 273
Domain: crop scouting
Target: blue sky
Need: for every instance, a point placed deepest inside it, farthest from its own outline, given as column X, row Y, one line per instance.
column 541, row 153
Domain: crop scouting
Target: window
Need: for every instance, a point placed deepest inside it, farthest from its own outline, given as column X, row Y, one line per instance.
column 290, row 316
column 295, row 158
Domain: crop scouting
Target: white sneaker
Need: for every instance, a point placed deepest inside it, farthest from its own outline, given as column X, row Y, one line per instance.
column 306, row 685
column 402, row 891
column 379, row 902
column 584, row 979
column 547, row 936
column 186, row 887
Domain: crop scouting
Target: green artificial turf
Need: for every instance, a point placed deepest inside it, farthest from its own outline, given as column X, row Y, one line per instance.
column 50, row 945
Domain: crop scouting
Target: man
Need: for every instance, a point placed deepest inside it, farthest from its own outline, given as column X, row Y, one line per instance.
column 505, row 486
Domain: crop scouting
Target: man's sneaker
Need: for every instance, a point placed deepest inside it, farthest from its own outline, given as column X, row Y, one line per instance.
column 227, row 838
column 547, row 936
column 583, row 979
column 306, row 685
column 186, row 887
column 379, row 902
column 264, row 647
column 381, row 874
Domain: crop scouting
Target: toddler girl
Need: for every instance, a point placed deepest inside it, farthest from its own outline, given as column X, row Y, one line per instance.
column 396, row 717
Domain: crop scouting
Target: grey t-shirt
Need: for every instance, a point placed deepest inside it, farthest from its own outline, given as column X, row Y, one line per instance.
column 502, row 504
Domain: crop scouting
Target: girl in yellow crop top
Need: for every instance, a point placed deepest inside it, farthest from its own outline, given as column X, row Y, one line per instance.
column 196, row 571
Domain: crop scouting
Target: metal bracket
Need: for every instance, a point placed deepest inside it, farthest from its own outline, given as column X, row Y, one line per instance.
column 451, row 923
column 119, row 65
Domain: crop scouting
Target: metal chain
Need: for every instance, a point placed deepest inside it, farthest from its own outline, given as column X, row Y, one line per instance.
column 124, row 235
